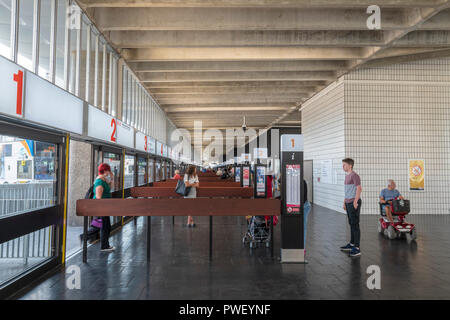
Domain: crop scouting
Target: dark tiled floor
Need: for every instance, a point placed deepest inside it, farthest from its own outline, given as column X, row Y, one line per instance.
column 180, row 268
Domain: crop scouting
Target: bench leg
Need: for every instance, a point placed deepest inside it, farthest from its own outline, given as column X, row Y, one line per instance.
column 210, row 237
column 85, row 228
column 173, row 220
column 149, row 236
column 271, row 237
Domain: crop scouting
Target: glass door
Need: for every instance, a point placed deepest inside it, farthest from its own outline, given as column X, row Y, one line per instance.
column 130, row 163
column 114, row 161
column 30, row 202
column 151, row 170
column 142, row 171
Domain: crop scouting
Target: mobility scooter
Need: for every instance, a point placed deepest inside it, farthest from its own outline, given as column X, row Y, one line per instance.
column 400, row 228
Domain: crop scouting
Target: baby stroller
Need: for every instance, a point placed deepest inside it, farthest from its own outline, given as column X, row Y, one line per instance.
column 399, row 209
column 258, row 231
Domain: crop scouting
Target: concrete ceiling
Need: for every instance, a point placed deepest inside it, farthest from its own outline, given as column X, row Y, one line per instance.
column 220, row 60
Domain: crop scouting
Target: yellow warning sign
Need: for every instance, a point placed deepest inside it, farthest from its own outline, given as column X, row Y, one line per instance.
column 417, row 175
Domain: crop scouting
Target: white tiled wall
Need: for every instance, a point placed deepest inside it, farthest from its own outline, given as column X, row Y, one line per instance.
column 324, row 139
column 397, row 113
column 382, row 117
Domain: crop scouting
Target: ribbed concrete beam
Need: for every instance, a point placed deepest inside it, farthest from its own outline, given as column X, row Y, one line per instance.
column 225, row 105
column 221, row 109
column 208, row 19
column 233, row 99
column 236, row 76
column 149, row 39
column 241, row 66
column 440, row 21
column 260, row 3
column 225, row 97
column 170, row 92
column 244, row 53
column 394, row 52
column 228, row 84
column 433, row 38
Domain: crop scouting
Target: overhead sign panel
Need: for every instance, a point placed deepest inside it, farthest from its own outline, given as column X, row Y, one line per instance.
column 101, row 125
column 152, row 145
column 125, row 134
column 142, row 142
column 48, row 104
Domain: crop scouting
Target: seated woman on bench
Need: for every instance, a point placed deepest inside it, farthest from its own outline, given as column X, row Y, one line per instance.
column 387, row 195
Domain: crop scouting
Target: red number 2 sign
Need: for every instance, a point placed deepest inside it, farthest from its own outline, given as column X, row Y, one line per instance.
column 113, row 125
column 18, row 77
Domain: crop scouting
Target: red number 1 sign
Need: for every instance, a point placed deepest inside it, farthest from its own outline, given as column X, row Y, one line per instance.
column 18, row 77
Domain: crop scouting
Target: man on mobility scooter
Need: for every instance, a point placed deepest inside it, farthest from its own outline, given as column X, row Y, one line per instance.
column 395, row 207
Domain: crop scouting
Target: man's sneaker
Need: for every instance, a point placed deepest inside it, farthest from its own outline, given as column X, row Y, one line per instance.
column 347, row 247
column 108, row 249
column 355, row 252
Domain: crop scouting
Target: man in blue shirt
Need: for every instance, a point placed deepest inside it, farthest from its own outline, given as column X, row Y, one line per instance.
column 389, row 194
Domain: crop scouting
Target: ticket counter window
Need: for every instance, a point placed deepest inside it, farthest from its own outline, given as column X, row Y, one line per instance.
column 142, row 171
column 129, row 171
column 113, row 159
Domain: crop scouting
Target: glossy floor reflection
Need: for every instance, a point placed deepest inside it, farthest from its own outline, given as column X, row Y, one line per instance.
column 180, row 268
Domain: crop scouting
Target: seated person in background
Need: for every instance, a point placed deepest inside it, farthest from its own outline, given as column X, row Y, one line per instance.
column 224, row 174
column 219, row 172
column 177, row 175
column 389, row 194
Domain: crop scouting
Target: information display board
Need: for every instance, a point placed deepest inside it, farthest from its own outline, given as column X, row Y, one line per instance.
column 260, row 181
column 237, row 174
column 245, row 176
column 293, row 188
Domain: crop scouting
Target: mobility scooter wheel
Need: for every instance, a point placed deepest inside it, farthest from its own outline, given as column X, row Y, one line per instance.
column 380, row 227
column 410, row 237
column 391, row 233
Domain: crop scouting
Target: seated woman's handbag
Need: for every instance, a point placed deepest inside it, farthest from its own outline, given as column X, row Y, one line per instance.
column 97, row 223
column 181, row 188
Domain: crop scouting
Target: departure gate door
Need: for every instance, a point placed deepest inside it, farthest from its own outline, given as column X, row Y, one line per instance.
column 32, row 195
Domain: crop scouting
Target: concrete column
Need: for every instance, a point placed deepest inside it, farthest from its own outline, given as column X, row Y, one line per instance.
column 80, row 155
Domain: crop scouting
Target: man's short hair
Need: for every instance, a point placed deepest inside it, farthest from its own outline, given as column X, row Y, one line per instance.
column 390, row 181
column 349, row 161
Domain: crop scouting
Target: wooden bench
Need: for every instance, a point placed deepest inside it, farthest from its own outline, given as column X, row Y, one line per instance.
column 203, row 192
column 175, row 207
column 220, row 183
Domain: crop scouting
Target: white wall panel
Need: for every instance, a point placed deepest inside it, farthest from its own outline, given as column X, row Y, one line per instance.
column 324, row 139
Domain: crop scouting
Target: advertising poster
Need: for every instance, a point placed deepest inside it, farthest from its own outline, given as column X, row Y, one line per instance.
column 237, row 174
column 293, row 188
column 261, row 181
column 416, row 175
column 246, row 176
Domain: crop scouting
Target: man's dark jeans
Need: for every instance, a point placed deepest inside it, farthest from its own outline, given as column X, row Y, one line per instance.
column 104, row 232
column 353, row 220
